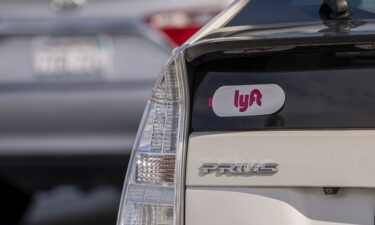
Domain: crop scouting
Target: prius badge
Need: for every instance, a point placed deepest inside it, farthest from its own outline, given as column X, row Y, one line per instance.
column 239, row 168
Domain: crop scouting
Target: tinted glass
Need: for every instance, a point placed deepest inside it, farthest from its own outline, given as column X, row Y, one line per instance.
column 284, row 11
column 324, row 89
column 315, row 99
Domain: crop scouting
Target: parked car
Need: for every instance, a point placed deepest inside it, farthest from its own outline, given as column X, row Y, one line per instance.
column 75, row 78
column 266, row 116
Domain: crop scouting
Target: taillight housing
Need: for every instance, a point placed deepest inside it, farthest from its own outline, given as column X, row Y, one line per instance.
column 153, row 191
column 179, row 25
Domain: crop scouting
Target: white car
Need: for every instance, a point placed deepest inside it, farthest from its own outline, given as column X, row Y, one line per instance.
column 266, row 116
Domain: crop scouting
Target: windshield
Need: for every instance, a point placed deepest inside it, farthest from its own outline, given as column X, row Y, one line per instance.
column 285, row 11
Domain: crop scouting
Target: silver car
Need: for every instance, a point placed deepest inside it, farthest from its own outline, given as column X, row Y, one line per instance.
column 75, row 78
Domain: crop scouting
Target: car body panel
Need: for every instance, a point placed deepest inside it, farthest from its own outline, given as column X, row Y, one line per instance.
column 308, row 160
column 45, row 107
column 292, row 206
column 305, row 158
column 58, row 122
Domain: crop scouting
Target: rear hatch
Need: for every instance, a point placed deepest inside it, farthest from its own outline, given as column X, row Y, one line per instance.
column 282, row 132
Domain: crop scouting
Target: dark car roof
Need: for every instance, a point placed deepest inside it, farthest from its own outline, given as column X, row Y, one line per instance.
column 259, row 21
column 255, row 37
column 261, row 12
column 294, row 30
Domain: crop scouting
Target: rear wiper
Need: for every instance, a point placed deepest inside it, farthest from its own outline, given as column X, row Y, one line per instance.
column 335, row 10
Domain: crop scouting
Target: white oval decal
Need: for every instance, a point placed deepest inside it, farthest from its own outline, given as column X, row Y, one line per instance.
column 248, row 100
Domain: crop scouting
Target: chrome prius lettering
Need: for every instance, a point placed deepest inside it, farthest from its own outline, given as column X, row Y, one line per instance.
column 239, row 168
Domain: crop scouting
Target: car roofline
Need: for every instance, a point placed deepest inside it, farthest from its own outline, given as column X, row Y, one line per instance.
column 228, row 45
column 218, row 21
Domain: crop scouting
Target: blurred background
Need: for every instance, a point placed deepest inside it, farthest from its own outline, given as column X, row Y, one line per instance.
column 75, row 78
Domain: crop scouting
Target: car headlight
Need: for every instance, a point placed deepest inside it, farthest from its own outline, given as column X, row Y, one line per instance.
column 154, row 188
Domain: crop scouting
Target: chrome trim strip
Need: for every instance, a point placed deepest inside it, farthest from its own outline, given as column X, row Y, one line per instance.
column 220, row 20
column 182, row 150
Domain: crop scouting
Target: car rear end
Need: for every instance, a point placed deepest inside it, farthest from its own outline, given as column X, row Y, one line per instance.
column 74, row 83
column 304, row 155
column 260, row 124
column 75, row 78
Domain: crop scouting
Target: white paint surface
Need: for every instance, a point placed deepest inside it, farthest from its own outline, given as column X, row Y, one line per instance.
column 279, row 206
column 305, row 158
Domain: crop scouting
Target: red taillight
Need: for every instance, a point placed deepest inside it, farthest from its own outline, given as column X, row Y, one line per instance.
column 180, row 25
column 180, row 35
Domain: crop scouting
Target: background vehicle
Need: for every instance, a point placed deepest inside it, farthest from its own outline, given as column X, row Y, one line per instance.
column 300, row 152
column 75, row 77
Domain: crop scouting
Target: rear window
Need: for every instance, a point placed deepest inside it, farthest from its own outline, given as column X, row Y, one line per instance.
column 284, row 11
column 333, row 91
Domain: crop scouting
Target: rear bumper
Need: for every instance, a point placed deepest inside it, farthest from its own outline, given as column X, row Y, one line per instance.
column 79, row 135
column 43, row 172
column 66, row 145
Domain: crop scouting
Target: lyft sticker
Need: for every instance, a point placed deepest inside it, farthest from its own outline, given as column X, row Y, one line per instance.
column 247, row 100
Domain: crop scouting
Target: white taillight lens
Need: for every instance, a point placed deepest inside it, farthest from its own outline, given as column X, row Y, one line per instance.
column 153, row 188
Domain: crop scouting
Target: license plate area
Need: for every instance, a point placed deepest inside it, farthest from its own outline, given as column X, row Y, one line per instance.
column 72, row 56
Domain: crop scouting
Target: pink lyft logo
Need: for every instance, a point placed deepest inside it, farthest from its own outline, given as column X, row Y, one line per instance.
column 246, row 100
